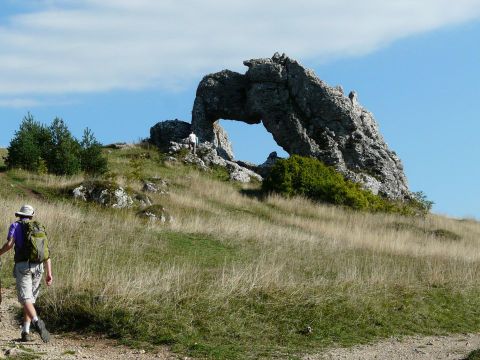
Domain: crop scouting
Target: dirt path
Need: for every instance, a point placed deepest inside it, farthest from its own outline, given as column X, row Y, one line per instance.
column 62, row 346
column 26, row 190
column 453, row 347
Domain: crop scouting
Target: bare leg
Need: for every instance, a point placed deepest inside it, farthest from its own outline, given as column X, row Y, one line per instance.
column 29, row 311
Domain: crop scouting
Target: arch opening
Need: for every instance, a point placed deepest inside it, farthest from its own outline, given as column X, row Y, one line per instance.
column 251, row 142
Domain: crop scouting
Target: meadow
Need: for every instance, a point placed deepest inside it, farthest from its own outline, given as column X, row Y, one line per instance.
column 239, row 275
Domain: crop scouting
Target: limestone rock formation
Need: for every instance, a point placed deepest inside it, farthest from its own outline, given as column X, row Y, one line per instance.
column 170, row 130
column 263, row 169
column 207, row 156
column 177, row 131
column 110, row 194
column 103, row 193
column 305, row 116
column 156, row 185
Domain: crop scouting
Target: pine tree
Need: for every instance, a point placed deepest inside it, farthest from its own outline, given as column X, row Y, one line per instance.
column 53, row 149
column 64, row 156
column 91, row 158
column 29, row 146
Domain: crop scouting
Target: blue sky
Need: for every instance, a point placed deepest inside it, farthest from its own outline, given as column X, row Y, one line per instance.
column 119, row 67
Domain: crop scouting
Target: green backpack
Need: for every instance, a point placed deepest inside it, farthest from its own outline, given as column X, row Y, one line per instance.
column 35, row 247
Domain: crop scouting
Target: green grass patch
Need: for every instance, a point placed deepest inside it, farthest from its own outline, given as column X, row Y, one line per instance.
column 264, row 324
column 198, row 249
column 441, row 234
column 24, row 353
column 6, row 268
column 69, row 352
column 474, row 355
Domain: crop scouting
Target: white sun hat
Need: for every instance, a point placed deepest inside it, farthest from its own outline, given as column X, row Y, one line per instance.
column 26, row 210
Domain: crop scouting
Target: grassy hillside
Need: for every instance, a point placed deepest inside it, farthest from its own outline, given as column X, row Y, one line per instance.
column 235, row 276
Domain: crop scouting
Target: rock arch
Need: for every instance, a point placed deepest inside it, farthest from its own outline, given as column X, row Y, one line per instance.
column 305, row 116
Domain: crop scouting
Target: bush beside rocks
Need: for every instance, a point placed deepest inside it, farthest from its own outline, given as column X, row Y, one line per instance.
column 309, row 177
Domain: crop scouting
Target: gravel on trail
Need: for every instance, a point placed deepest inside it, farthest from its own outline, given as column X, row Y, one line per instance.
column 451, row 347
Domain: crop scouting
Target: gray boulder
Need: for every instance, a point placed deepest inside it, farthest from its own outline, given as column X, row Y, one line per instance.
column 104, row 193
column 207, row 156
column 305, row 116
column 142, row 200
column 115, row 197
column 164, row 133
column 150, row 187
column 241, row 174
column 170, row 130
column 155, row 185
column 264, row 169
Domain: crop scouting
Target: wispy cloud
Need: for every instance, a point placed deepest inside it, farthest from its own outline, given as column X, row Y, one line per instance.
column 33, row 102
column 74, row 46
column 19, row 103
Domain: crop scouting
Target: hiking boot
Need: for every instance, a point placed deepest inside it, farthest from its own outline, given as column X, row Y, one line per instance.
column 39, row 325
column 26, row 337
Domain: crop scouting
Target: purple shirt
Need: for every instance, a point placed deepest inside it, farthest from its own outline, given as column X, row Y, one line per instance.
column 16, row 232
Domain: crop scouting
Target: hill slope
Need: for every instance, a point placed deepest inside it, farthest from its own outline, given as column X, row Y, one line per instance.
column 238, row 276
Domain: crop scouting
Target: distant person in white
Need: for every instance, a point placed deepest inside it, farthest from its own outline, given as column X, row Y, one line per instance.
column 193, row 142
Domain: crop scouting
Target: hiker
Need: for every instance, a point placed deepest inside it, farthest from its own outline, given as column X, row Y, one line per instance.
column 28, row 273
column 193, row 142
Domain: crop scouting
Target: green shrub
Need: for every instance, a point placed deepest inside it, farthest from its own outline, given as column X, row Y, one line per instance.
column 64, row 155
column 53, row 149
column 474, row 355
column 92, row 160
column 309, row 177
column 29, row 145
column 421, row 202
column 136, row 167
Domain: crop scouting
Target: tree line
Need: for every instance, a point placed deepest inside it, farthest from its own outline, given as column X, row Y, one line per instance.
column 53, row 149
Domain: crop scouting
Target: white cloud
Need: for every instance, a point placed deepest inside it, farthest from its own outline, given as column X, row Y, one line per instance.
column 31, row 102
column 75, row 46
column 19, row 103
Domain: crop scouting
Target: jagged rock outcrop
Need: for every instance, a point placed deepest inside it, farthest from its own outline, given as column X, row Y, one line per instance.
column 110, row 194
column 104, row 193
column 170, row 130
column 155, row 185
column 164, row 132
column 207, row 157
column 263, row 169
column 305, row 116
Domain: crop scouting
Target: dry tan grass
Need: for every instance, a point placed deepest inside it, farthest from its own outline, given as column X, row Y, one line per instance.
column 357, row 247
column 292, row 243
